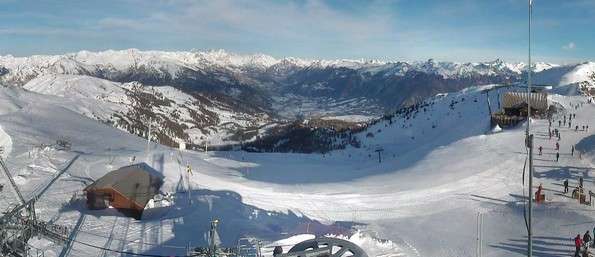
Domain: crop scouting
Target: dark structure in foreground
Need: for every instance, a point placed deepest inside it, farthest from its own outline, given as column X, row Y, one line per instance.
column 127, row 189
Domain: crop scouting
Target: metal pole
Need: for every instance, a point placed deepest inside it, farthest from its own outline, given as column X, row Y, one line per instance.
column 530, row 143
column 477, row 236
column 529, row 71
column 15, row 189
column 480, row 234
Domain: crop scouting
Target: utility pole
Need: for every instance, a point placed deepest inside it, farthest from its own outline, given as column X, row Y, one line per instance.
column 149, row 138
column 379, row 151
column 489, row 105
column 529, row 141
column 207, row 145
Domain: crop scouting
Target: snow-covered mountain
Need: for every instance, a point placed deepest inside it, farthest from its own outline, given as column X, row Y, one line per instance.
column 175, row 116
column 173, row 65
column 230, row 73
column 221, row 95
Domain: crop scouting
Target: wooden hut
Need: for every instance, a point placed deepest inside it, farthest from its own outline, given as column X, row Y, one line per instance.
column 127, row 189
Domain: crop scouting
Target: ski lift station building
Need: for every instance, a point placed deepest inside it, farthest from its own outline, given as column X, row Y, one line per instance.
column 515, row 107
column 127, row 189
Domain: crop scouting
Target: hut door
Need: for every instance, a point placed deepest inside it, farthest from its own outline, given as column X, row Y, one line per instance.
column 134, row 196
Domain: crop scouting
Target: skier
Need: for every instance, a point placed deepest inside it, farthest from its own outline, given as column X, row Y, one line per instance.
column 580, row 182
column 559, row 123
column 577, row 244
column 576, row 128
column 557, row 156
column 566, row 191
column 188, row 169
column 538, row 194
column 540, row 148
column 550, row 133
column 586, row 240
column 572, row 151
column 557, row 146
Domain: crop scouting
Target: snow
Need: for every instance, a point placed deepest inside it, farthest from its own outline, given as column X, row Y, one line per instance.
column 350, row 118
column 579, row 74
column 440, row 168
column 171, row 64
column 5, row 143
column 100, row 99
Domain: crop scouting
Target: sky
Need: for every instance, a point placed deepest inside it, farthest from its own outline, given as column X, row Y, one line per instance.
column 453, row 30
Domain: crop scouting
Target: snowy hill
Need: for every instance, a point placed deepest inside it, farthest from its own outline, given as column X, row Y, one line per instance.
column 175, row 116
column 225, row 98
column 580, row 73
column 441, row 166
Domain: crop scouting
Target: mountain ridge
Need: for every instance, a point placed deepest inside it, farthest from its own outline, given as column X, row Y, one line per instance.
column 236, row 97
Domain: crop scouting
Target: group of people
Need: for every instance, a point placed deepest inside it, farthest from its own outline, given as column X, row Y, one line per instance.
column 582, row 244
column 570, row 117
column 556, row 133
column 578, row 192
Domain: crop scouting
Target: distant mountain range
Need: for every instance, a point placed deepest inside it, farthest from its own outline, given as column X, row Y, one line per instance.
column 223, row 97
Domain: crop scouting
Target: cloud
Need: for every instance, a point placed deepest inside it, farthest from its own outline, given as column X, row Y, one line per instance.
column 394, row 29
column 44, row 31
column 306, row 24
column 569, row 46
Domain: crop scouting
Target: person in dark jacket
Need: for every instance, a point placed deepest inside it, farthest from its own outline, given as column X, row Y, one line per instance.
column 587, row 239
column 557, row 156
column 540, row 149
column 566, row 189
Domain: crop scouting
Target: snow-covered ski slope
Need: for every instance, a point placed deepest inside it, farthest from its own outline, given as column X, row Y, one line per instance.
column 440, row 168
column 121, row 103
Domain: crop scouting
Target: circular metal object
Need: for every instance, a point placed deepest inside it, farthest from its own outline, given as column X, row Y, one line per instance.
column 339, row 247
